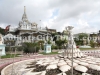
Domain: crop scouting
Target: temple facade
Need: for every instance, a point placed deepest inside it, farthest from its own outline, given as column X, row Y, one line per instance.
column 29, row 32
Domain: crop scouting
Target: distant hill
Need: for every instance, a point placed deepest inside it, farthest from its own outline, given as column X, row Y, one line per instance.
column 2, row 31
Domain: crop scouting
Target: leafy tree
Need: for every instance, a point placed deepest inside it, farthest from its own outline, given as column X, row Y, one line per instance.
column 30, row 47
column 42, row 42
column 10, row 42
column 81, row 35
column 48, row 42
column 2, row 31
column 54, row 47
column 79, row 40
column 59, row 43
column 93, row 44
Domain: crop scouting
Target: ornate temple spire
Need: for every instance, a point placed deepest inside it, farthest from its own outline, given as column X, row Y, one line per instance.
column 24, row 17
column 24, row 10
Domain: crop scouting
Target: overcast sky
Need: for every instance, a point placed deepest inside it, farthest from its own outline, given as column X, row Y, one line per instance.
column 83, row 15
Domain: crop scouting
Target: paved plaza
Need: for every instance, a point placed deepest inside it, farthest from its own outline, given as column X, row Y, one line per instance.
column 7, row 61
column 95, row 53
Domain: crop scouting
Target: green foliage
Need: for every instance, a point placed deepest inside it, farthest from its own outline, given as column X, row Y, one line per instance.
column 31, row 47
column 93, row 44
column 49, row 53
column 54, row 47
column 2, row 31
column 59, row 43
column 49, row 42
column 10, row 48
column 20, row 48
column 81, row 35
column 7, row 49
column 79, row 40
column 9, row 56
column 88, row 48
column 98, row 44
column 12, row 42
column 41, row 42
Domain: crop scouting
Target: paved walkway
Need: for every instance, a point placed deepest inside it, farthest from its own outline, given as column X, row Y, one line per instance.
column 7, row 61
column 95, row 53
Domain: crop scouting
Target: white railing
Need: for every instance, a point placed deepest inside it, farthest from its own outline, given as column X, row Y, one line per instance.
column 94, row 53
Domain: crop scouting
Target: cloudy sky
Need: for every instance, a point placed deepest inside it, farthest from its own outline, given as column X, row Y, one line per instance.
column 83, row 15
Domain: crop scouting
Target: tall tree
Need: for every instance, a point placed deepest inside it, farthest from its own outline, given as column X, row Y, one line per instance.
column 81, row 38
column 59, row 43
column 2, row 31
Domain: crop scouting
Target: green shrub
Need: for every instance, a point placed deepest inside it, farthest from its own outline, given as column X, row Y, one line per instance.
column 7, row 49
column 54, row 47
column 92, row 44
column 30, row 47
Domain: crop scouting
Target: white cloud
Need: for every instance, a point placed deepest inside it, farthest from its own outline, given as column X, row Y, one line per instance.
column 82, row 23
column 82, row 14
column 83, row 26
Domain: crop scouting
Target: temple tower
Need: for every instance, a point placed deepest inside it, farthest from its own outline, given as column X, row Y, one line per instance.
column 24, row 23
column 24, row 17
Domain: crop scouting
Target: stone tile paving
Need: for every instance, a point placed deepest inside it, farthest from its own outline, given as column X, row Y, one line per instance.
column 7, row 61
column 4, row 62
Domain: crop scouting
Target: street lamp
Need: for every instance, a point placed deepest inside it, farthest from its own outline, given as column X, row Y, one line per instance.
column 11, row 40
column 14, row 39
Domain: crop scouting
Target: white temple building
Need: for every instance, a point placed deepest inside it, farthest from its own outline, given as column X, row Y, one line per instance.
column 28, row 32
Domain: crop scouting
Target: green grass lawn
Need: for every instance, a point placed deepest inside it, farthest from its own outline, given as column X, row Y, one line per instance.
column 89, row 48
column 9, row 56
column 49, row 53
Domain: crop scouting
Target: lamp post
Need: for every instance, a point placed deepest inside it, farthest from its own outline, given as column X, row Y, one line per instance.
column 11, row 42
column 13, row 73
